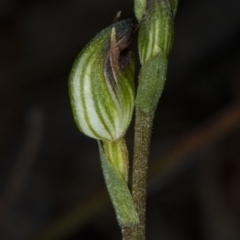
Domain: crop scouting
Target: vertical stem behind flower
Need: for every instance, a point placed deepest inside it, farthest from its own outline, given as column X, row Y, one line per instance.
column 130, row 232
column 151, row 82
column 143, row 130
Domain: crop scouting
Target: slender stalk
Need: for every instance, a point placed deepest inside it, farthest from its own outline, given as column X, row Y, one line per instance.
column 155, row 40
column 129, row 232
column 143, row 127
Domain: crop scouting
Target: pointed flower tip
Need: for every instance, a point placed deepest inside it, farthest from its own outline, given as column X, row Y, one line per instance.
column 101, row 84
column 117, row 17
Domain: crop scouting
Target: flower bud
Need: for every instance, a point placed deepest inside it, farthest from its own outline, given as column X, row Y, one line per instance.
column 101, row 84
column 156, row 29
column 154, row 43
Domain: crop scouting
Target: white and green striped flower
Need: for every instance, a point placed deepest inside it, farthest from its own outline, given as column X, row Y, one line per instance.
column 156, row 27
column 101, row 84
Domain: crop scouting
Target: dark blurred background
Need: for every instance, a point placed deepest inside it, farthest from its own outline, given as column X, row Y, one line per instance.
column 51, row 185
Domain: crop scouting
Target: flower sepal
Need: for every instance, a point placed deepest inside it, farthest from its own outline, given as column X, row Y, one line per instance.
column 101, row 83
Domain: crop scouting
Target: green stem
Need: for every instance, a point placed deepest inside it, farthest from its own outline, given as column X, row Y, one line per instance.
column 143, row 127
column 151, row 82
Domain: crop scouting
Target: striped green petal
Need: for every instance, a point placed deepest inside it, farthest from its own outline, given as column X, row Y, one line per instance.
column 101, row 84
column 156, row 30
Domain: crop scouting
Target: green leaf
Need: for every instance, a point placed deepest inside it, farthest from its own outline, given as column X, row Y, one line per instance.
column 119, row 192
column 151, row 82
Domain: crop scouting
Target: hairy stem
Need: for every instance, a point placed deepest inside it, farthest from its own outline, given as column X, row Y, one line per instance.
column 143, row 127
column 129, row 232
